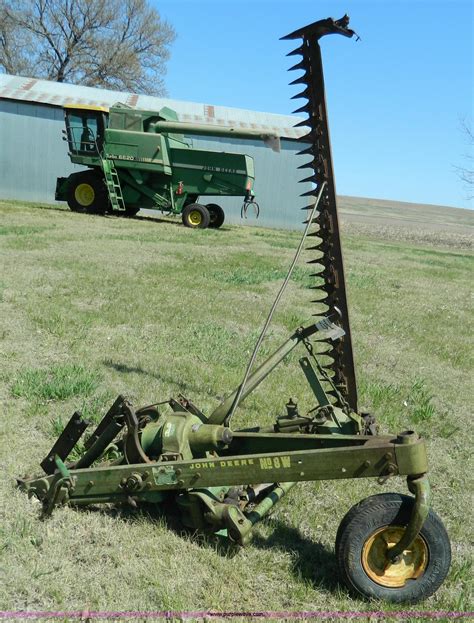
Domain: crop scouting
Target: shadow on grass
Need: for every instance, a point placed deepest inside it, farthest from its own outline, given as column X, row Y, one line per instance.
column 151, row 219
column 45, row 206
column 311, row 561
column 156, row 219
column 182, row 386
column 148, row 218
column 126, row 369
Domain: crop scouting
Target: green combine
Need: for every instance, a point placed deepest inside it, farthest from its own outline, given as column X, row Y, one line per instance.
column 141, row 159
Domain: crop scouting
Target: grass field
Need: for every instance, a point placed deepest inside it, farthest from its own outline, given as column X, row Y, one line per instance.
column 93, row 306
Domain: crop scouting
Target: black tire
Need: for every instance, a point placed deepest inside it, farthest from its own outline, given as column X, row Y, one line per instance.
column 362, row 540
column 131, row 211
column 87, row 193
column 217, row 215
column 196, row 216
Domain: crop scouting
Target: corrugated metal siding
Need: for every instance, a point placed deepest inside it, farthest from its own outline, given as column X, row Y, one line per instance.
column 32, row 152
column 33, row 155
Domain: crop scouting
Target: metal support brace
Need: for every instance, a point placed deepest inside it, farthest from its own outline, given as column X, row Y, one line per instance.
column 421, row 488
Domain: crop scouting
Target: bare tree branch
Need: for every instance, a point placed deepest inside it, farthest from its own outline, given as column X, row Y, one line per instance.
column 122, row 44
column 466, row 172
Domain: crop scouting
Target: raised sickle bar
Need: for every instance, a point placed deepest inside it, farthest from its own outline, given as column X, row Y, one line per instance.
column 328, row 263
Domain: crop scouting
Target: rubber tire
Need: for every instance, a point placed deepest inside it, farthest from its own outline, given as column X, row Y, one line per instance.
column 362, row 521
column 131, row 211
column 203, row 211
column 100, row 202
column 217, row 215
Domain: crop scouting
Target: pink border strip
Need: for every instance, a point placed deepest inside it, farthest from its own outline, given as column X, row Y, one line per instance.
column 209, row 614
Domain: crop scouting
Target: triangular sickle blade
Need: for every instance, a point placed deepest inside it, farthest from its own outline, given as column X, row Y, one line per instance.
column 306, row 152
column 296, row 51
column 302, row 94
column 311, row 178
column 306, row 108
column 304, row 123
column 301, row 65
column 307, row 165
column 308, row 138
column 301, row 80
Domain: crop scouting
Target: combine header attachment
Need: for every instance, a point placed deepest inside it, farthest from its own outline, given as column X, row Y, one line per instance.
column 224, row 481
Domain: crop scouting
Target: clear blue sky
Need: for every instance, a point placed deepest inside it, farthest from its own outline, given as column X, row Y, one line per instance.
column 395, row 99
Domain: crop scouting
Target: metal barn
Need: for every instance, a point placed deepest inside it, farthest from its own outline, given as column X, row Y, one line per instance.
column 33, row 154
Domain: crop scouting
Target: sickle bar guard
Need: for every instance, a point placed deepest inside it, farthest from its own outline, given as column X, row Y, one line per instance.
column 329, row 265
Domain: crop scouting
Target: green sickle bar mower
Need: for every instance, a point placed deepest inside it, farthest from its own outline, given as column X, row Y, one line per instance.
column 389, row 546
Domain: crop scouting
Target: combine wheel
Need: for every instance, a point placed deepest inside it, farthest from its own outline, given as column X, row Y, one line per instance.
column 365, row 534
column 217, row 215
column 131, row 210
column 87, row 193
column 196, row 216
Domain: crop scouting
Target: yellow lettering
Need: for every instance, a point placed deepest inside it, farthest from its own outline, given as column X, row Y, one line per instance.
column 286, row 461
column 276, row 462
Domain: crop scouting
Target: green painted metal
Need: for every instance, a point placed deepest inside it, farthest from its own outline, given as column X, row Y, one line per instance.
column 221, row 412
column 181, row 450
column 113, row 185
column 421, row 488
column 265, row 506
column 145, row 161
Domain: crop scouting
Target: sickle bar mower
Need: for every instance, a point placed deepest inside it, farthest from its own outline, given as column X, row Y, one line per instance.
column 224, row 481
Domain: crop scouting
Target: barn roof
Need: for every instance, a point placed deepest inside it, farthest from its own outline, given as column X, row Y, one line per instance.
column 60, row 93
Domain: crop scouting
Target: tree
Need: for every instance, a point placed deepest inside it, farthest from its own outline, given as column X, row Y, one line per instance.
column 466, row 173
column 115, row 44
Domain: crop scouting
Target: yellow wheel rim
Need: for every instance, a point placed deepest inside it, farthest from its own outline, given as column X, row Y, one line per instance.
column 84, row 194
column 411, row 564
column 195, row 218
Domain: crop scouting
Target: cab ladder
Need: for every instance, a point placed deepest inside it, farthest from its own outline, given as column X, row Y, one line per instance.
column 113, row 185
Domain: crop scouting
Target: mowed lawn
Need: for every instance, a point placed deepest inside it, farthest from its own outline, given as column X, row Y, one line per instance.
column 92, row 307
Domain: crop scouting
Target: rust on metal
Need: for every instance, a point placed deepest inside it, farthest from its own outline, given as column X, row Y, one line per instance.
column 329, row 266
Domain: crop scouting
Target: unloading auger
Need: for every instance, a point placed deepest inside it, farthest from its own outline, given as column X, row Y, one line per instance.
column 224, row 481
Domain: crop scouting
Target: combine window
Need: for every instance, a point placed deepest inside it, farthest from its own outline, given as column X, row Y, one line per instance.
column 85, row 131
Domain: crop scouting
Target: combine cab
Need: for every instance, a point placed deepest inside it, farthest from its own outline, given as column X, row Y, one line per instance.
column 141, row 159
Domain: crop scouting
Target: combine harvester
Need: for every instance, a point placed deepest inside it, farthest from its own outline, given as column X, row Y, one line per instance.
column 389, row 546
column 141, row 159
